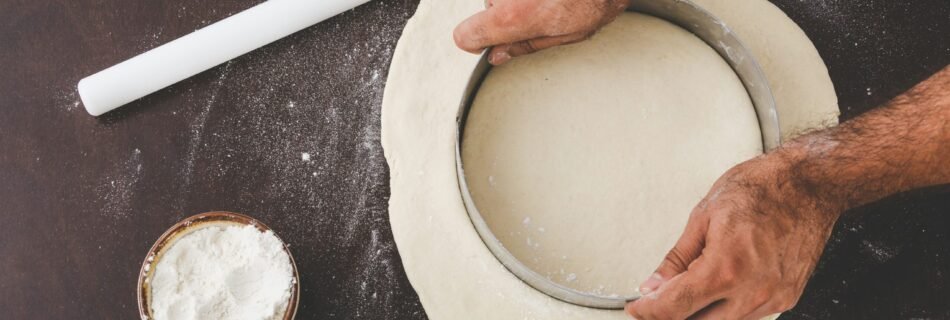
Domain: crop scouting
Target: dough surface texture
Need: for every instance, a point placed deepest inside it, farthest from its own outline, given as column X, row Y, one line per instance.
column 585, row 160
column 453, row 272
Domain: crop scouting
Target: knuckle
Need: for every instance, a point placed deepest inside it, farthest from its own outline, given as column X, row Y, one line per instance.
column 775, row 276
column 761, row 297
column 676, row 259
column 728, row 277
column 530, row 46
column 732, row 269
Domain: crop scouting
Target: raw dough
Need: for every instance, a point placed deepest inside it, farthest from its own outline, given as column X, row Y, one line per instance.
column 454, row 274
column 585, row 160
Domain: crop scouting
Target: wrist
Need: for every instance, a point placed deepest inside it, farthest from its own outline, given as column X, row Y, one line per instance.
column 796, row 184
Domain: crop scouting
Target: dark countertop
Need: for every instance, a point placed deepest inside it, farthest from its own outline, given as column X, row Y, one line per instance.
column 82, row 198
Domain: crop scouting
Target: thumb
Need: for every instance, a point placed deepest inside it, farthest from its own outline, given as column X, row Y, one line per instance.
column 502, row 53
column 501, row 23
column 687, row 249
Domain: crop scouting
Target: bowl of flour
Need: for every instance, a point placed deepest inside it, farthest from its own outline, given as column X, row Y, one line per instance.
column 218, row 265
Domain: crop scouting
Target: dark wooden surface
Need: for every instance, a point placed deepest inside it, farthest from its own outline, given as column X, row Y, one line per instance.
column 83, row 198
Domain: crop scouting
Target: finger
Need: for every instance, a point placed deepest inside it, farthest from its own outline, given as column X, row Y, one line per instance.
column 502, row 53
column 680, row 297
column 534, row 45
column 499, row 54
column 687, row 249
column 506, row 22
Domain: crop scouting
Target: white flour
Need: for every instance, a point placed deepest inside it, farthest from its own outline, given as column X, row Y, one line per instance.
column 223, row 272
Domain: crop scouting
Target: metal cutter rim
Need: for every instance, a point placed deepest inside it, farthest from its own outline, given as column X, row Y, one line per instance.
column 684, row 14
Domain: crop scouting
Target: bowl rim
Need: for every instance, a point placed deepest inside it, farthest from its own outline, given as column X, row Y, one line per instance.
column 195, row 222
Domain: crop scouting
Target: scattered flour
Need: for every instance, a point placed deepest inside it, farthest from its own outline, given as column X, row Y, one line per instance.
column 196, row 130
column 879, row 250
column 571, row 277
column 118, row 189
column 247, row 124
column 68, row 100
column 226, row 272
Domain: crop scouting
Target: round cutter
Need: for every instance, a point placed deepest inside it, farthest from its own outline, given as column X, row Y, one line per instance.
column 684, row 14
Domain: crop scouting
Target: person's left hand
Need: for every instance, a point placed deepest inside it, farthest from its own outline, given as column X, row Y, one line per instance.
column 518, row 27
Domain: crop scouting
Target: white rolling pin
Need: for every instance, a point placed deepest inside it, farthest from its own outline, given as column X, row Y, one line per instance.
column 203, row 49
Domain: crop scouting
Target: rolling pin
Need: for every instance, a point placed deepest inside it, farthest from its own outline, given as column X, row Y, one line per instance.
column 203, row 49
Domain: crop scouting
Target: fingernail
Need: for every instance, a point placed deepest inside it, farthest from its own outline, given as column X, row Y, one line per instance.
column 651, row 284
column 500, row 57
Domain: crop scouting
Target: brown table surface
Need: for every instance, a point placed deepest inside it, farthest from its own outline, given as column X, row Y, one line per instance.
column 82, row 198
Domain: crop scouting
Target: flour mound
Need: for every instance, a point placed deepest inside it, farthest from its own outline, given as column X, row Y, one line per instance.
column 223, row 272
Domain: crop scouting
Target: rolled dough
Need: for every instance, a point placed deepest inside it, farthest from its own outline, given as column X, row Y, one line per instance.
column 454, row 274
column 585, row 160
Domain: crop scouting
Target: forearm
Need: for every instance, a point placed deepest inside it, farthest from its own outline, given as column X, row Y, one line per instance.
column 898, row 147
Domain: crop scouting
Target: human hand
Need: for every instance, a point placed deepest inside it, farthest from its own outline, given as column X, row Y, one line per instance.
column 518, row 27
column 748, row 249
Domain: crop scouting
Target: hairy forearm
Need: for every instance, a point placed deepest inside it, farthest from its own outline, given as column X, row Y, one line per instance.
column 900, row 146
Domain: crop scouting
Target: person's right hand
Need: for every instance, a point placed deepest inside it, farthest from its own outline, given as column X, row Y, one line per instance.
column 748, row 249
column 517, row 27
